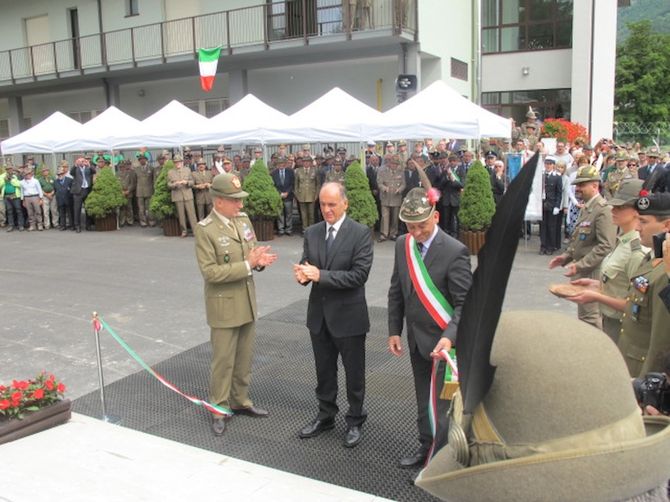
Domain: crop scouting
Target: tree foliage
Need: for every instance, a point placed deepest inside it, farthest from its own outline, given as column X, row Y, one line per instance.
column 643, row 63
column 477, row 205
column 161, row 205
column 263, row 200
column 106, row 195
column 362, row 206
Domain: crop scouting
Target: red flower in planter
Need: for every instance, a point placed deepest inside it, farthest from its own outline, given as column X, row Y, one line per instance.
column 22, row 385
column 49, row 384
column 60, row 388
column 38, row 394
column 4, row 404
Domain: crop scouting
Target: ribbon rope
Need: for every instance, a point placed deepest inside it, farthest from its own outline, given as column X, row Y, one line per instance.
column 99, row 324
column 451, row 376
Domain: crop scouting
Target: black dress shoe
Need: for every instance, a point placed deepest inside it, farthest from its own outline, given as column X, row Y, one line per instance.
column 251, row 411
column 316, row 427
column 218, row 425
column 353, row 436
column 415, row 460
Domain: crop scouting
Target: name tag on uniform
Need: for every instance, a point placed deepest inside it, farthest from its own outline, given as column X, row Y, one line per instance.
column 224, row 241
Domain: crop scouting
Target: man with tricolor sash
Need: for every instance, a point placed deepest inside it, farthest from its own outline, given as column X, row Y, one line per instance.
column 431, row 277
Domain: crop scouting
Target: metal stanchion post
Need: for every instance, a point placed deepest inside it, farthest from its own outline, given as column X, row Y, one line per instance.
column 106, row 418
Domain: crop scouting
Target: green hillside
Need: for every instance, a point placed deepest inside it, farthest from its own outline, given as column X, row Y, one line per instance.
column 658, row 11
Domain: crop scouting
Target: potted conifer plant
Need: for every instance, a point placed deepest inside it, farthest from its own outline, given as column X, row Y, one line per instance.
column 161, row 205
column 362, row 206
column 105, row 199
column 264, row 202
column 477, row 208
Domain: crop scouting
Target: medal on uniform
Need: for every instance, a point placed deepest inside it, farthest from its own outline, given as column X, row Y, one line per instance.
column 224, row 241
column 635, row 312
column 641, row 283
column 226, row 258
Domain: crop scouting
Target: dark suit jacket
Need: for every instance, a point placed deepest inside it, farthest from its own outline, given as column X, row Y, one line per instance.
column 289, row 182
column 451, row 190
column 338, row 299
column 77, row 178
column 62, row 187
column 448, row 263
column 655, row 181
column 553, row 190
column 411, row 181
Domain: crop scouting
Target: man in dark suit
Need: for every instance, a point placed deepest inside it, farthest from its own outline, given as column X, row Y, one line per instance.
column 552, row 197
column 447, row 263
column 451, row 186
column 337, row 256
column 82, row 182
column 284, row 180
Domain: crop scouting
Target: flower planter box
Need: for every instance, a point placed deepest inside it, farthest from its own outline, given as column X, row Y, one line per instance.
column 171, row 227
column 35, row 421
column 264, row 228
column 473, row 240
column 106, row 223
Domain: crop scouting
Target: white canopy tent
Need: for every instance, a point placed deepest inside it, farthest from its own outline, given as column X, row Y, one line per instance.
column 170, row 126
column 111, row 130
column 440, row 112
column 335, row 116
column 243, row 122
column 48, row 136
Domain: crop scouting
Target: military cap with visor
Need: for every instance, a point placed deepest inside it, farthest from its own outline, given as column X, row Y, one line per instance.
column 227, row 185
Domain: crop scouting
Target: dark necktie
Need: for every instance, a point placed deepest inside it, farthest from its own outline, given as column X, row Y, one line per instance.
column 421, row 247
column 330, row 239
column 281, row 177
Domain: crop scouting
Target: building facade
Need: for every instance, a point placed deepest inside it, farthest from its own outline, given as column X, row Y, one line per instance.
column 80, row 56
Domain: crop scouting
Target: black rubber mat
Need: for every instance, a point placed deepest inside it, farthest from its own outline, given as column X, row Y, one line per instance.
column 283, row 382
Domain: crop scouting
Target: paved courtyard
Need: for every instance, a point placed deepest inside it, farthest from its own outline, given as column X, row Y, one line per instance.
column 148, row 288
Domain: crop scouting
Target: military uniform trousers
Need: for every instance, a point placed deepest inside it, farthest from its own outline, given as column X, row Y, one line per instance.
column 126, row 215
column 230, row 371
column 186, row 208
column 306, row 214
column 389, row 224
column 50, row 211
column 203, row 202
column 143, row 214
column 589, row 312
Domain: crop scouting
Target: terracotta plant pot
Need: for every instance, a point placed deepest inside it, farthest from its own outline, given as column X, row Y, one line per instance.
column 171, row 227
column 264, row 228
column 473, row 240
column 106, row 223
column 35, row 421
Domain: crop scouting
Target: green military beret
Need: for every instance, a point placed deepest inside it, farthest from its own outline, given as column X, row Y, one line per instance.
column 657, row 204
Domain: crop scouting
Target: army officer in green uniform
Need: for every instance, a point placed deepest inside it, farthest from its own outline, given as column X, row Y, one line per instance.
column 645, row 323
column 228, row 255
column 592, row 239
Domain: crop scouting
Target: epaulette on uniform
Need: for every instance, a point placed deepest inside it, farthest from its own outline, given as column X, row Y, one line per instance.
column 635, row 245
column 205, row 222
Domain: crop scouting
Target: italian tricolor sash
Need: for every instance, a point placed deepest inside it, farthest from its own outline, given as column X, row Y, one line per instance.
column 431, row 298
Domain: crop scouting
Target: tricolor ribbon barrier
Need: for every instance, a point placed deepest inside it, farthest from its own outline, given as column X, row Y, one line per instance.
column 99, row 324
column 450, row 377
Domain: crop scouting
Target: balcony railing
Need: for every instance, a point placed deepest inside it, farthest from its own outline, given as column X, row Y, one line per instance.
column 260, row 25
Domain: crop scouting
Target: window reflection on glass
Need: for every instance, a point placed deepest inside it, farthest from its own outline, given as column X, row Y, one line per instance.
column 512, row 39
column 548, row 103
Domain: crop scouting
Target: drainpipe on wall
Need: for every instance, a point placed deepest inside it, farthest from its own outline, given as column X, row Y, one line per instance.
column 476, row 52
column 100, row 27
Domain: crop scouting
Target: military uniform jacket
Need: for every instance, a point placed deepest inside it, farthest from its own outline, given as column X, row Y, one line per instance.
column 202, row 195
column 221, row 251
column 593, row 237
column 180, row 192
column 645, row 325
column 391, row 183
column 618, row 267
column 306, row 184
column 614, row 179
column 553, row 191
column 128, row 180
column 145, row 181
column 335, row 176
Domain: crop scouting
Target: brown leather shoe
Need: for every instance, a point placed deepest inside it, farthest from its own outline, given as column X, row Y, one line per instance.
column 251, row 411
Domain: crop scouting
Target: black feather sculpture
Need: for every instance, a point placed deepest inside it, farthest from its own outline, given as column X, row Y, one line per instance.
column 483, row 304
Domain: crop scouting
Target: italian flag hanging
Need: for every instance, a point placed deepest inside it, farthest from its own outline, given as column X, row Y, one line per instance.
column 208, row 59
